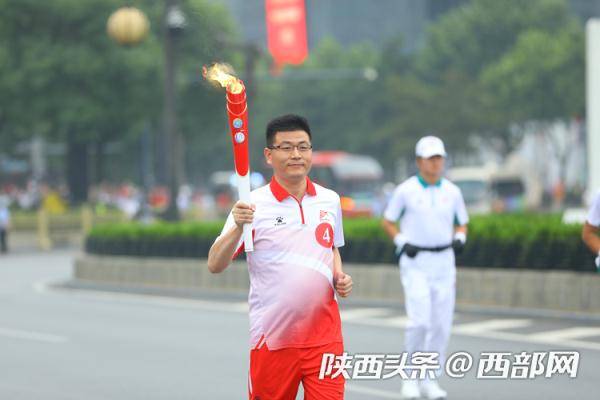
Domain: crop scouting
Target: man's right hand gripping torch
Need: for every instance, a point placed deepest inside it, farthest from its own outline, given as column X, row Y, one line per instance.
column 237, row 112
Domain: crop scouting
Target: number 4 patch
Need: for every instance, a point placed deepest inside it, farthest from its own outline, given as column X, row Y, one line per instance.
column 324, row 235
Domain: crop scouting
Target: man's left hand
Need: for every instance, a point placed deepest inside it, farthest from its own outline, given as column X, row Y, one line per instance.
column 458, row 244
column 343, row 284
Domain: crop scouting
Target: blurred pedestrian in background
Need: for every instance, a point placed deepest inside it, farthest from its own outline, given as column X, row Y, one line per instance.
column 4, row 223
column 591, row 227
column 432, row 221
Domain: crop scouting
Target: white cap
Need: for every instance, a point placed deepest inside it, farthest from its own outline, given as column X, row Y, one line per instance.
column 430, row 146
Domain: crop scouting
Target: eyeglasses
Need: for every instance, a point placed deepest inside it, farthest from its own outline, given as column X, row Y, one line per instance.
column 288, row 147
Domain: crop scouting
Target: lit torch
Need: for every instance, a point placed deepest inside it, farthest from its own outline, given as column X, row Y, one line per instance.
column 237, row 111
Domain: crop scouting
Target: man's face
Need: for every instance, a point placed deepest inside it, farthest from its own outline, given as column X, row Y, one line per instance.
column 290, row 155
column 432, row 166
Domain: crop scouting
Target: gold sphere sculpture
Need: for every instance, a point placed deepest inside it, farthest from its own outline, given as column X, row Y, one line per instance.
column 128, row 26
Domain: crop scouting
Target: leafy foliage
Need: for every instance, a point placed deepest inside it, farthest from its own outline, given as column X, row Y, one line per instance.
column 483, row 68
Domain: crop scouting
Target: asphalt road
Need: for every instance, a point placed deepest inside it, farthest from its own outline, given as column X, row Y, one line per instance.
column 60, row 343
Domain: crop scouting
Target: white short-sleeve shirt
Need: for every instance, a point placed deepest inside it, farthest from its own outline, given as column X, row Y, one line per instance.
column 427, row 213
column 593, row 217
column 292, row 301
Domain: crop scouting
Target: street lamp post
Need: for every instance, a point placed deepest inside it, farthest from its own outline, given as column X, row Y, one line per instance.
column 129, row 26
column 174, row 23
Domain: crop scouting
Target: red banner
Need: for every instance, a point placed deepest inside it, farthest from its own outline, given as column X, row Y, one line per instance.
column 286, row 31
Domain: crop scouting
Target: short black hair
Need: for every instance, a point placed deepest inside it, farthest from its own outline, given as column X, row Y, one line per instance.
column 286, row 123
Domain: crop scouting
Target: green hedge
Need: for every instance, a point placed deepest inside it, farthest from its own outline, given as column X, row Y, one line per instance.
column 526, row 240
column 499, row 241
column 156, row 240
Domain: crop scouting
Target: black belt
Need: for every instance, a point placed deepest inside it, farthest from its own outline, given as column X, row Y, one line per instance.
column 434, row 249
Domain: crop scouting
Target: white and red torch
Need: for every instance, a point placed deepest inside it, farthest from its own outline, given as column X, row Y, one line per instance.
column 237, row 111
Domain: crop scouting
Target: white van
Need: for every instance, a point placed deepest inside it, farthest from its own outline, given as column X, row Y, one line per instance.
column 487, row 189
column 475, row 185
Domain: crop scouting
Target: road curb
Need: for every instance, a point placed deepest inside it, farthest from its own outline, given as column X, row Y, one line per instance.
column 521, row 291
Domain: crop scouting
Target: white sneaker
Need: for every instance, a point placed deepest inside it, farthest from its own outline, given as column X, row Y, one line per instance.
column 410, row 390
column 432, row 391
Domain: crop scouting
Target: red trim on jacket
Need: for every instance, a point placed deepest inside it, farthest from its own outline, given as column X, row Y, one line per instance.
column 280, row 193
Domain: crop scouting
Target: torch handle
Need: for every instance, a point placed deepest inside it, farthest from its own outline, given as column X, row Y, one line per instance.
column 243, row 185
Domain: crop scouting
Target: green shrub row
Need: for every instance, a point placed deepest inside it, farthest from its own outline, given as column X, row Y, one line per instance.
column 500, row 241
column 156, row 240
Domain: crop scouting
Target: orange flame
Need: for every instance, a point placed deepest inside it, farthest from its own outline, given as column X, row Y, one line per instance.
column 223, row 75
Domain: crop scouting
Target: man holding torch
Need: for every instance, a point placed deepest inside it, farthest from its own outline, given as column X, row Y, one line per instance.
column 295, row 270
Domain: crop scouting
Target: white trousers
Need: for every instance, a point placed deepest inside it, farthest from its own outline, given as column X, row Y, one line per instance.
column 429, row 282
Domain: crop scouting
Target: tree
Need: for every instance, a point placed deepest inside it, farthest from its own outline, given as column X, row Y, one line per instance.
column 61, row 76
column 540, row 82
column 479, row 43
column 476, row 34
column 542, row 77
column 331, row 90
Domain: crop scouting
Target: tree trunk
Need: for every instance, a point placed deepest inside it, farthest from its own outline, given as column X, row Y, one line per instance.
column 77, row 169
column 99, row 170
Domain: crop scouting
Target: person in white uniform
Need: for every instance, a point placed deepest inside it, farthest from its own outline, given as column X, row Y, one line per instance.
column 432, row 226
column 591, row 227
column 4, row 223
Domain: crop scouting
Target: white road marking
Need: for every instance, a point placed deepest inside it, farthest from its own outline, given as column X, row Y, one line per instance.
column 40, row 287
column 528, row 338
column 488, row 325
column 31, row 335
column 397, row 322
column 373, row 392
column 390, row 322
column 567, row 334
column 361, row 313
column 489, row 329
